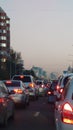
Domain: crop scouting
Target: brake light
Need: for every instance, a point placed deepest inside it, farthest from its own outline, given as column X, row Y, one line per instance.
column 61, row 90
column 42, row 86
column 67, row 107
column 49, row 92
column 31, row 85
column 8, row 82
column 21, row 76
column 1, row 100
column 57, row 87
column 67, row 114
column 19, row 91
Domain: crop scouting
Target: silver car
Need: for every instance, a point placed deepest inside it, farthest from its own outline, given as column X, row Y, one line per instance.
column 17, row 91
column 6, row 105
column 64, row 108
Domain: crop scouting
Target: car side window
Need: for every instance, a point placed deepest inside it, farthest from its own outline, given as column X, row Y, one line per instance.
column 60, row 81
column 65, row 90
column 66, row 80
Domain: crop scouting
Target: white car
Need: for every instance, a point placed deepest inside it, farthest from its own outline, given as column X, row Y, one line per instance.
column 17, row 92
column 61, row 83
column 64, row 108
column 29, row 82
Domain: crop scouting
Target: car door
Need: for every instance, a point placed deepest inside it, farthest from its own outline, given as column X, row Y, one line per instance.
column 59, row 106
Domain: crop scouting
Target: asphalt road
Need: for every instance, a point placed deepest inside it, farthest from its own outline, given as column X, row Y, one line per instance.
column 39, row 115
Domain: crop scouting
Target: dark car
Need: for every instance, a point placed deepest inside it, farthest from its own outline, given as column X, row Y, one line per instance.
column 51, row 97
column 6, row 105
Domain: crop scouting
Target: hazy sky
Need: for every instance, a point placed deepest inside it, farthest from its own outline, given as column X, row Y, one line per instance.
column 42, row 30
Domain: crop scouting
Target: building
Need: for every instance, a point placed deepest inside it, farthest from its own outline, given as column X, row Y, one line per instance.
column 4, row 34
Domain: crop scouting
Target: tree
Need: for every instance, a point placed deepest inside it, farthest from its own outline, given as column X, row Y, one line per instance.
column 11, row 65
column 29, row 72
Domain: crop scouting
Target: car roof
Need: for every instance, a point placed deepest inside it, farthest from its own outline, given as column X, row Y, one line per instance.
column 12, row 80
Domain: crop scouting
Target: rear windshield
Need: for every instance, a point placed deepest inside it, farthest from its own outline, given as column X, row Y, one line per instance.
column 39, row 82
column 24, row 79
column 12, row 84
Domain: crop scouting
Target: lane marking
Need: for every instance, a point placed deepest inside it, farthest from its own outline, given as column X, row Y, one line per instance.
column 36, row 114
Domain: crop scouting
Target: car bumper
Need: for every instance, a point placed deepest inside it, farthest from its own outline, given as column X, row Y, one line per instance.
column 18, row 100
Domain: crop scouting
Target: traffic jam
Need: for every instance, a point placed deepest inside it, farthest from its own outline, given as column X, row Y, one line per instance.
column 23, row 95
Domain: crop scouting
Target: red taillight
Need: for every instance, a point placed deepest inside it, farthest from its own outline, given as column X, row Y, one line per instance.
column 21, row 76
column 8, row 82
column 49, row 92
column 61, row 90
column 19, row 91
column 42, row 86
column 67, row 114
column 57, row 87
column 67, row 107
column 1, row 100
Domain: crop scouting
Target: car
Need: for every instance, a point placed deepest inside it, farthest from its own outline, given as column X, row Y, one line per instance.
column 18, row 92
column 62, row 81
column 41, row 86
column 7, row 107
column 29, row 82
column 51, row 97
column 64, row 108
